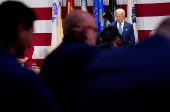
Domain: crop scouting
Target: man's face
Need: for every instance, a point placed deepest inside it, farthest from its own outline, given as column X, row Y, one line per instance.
column 27, row 37
column 119, row 16
column 92, row 33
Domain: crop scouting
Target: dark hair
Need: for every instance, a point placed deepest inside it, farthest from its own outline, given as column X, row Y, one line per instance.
column 108, row 35
column 12, row 15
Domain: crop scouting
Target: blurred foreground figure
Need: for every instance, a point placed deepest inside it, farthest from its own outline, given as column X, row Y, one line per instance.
column 62, row 69
column 152, row 33
column 21, row 89
column 109, row 38
column 134, row 80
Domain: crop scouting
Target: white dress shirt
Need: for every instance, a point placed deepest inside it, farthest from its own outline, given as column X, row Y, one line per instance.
column 121, row 25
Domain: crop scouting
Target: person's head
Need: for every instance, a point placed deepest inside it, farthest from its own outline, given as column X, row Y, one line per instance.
column 164, row 28
column 110, row 35
column 120, row 15
column 82, row 25
column 16, row 26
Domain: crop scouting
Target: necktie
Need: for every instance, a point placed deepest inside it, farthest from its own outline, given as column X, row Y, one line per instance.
column 120, row 29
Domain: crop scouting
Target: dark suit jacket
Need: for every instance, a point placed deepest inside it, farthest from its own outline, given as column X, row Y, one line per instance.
column 135, row 79
column 128, row 31
column 62, row 70
column 21, row 90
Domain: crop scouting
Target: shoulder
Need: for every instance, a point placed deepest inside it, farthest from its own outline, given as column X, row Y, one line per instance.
column 75, row 50
column 71, row 50
column 15, row 71
column 112, row 24
column 18, row 76
column 127, row 23
column 75, row 46
column 93, row 49
column 25, row 75
column 11, row 69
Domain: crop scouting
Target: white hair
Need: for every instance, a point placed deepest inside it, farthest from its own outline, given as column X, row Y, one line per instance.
column 120, row 10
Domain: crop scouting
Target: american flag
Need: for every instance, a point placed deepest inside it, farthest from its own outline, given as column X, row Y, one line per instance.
column 149, row 14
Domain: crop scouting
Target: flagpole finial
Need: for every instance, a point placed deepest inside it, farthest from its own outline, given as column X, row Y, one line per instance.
column 84, row 5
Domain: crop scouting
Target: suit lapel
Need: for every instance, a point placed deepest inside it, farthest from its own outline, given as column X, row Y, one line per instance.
column 115, row 25
column 124, row 29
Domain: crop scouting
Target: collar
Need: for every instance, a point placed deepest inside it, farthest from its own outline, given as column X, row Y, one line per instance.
column 112, row 46
column 121, row 23
column 7, row 52
column 121, row 26
column 69, row 39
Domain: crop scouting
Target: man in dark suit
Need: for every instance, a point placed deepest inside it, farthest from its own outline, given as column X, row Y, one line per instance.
column 135, row 80
column 21, row 89
column 125, row 28
column 62, row 69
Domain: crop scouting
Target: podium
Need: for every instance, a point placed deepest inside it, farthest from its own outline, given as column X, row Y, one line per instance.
column 35, row 69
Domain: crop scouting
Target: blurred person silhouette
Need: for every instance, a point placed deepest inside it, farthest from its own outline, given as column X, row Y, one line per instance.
column 135, row 80
column 109, row 38
column 121, row 38
column 62, row 69
column 125, row 44
column 152, row 33
column 21, row 89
